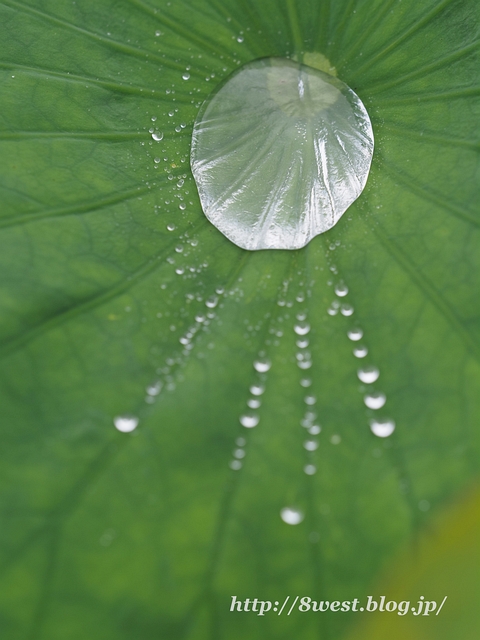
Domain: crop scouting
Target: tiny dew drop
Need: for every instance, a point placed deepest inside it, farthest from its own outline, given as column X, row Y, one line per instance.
column 279, row 180
column 310, row 469
column 249, row 420
column 355, row 334
column 292, row 515
column 368, row 375
column 375, row 400
column 262, row 365
column 310, row 445
column 382, row 427
column 157, row 136
column 125, row 424
column 257, row 389
column 301, row 328
column 360, row 351
column 341, row 289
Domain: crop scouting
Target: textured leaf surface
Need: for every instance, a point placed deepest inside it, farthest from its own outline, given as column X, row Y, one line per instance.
column 110, row 535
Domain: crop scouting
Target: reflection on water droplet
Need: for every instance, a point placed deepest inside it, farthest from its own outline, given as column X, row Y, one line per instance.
column 301, row 328
column 310, row 469
column 375, row 400
column 368, row 374
column 292, row 515
column 355, row 334
column 341, row 289
column 262, row 365
column 310, row 445
column 249, row 420
column 382, row 427
column 235, row 465
column 311, row 137
column 125, row 424
column 360, row 351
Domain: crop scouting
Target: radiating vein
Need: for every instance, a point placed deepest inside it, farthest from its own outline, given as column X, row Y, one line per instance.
column 137, row 52
column 81, row 207
column 206, row 45
column 405, row 35
column 366, row 33
column 425, row 70
column 426, row 193
column 428, row 290
column 118, row 87
column 70, row 500
column 94, row 301
column 430, row 136
column 418, row 98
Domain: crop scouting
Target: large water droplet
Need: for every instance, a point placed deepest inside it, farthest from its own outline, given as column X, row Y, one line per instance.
column 292, row 515
column 125, row 424
column 279, row 152
column 368, row 374
column 382, row 427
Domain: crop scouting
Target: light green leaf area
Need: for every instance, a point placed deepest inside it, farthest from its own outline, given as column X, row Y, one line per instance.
column 109, row 535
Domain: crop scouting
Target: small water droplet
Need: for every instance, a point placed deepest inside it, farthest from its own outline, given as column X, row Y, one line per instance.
column 292, row 515
column 304, row 364
column 335, row 439
column 125, row 424
column 310, row 400
column 314, row 430
column 360, row 351
column 240, row 442
column 186, row 76
column 355, row 334
column 375, row 400
column 240, row 39
column 310, row 469
column 254, row 403
column 157, row 136
column 235, row 465
column 341, row 289
column 212, row 302
column 171, row 227
column 346, row 310
column 382, row 427
column 239, row 453
column 154, row 389
column 257, row 389
column 310, row 445
column 301, row 328
column 368, row 374
column 302, row 344
column 249, row 420
column 262, row 365
column 305, row 382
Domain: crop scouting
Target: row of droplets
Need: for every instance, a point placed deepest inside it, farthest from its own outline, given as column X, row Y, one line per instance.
column 128, row 423
column 368, row 374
